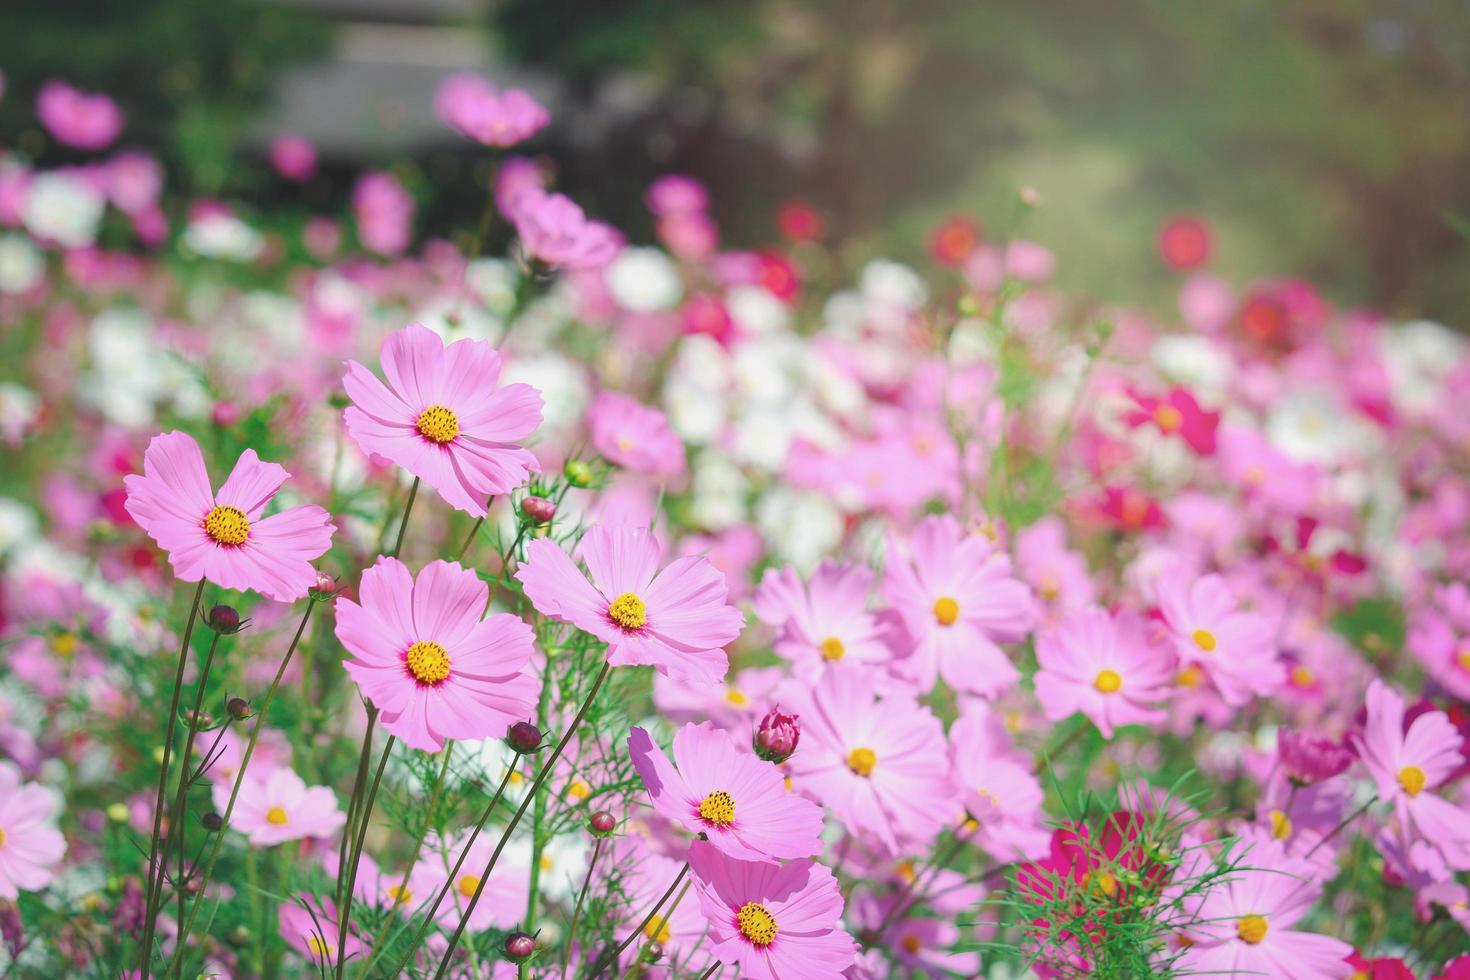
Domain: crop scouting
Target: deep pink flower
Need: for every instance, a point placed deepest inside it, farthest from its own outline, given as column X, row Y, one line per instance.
column 1307, row 758
column 676, row 620
column 224, row 537
column 634, row 436
column 293, row 156
column 553, row 229
column 1104, row 667
column 675, row 194
column 30, row 845
column 311, row 926
column 824, row 620
column 1237, row 649
column 737, row 801
column 87, row 121
column 470, row 105
column 384, row 213
column 426, row 658
column 442, row 417
column 959, row 601
column 1176, row 413
column 879, row 763
column 281, row 807
column 773, row 921
column 1184, row 242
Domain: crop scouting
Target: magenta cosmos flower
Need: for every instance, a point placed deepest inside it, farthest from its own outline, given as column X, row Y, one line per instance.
column 282, row 807
column 30, row 847
column 738, row 801
column 470, row 105
column 958, row 600
column 553, row 229
column 634, row 436
column 879, row 763
column 84, row 120
column 1105, row 668
column 223, row 536
column 427, row 659
column 773, row 920
column 825, row 620
column 1407, row 766
column 1236, row 649
column 442, row 418
column 676, row 620
column 310, row 926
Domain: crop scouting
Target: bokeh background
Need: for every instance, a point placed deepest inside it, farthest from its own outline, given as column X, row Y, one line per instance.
column 1327, row 139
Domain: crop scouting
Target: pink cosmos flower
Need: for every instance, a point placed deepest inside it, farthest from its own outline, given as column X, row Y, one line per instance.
column 645, row 874
column 998, row 791
column 736, row 800
column 293, row 156
column 957, row 599
column 676, row 620
column 470, row 105
column 223, row 536
column 1244, row 925
column 1236, row 649
column 502, row 901
column 634, row 436
column 1104, row 667
column 282, row 807
column 426, row 658
column 384, row 213
column 1176, row 413
column 30, row 847
column 442, row 417
column 1406, row 765
column 87, row 121
column 878, row 762
column 553, row 229
column 1058, row 574
column 1308, row 758
column 773, row 921
column 825, row 620
column 310, row 926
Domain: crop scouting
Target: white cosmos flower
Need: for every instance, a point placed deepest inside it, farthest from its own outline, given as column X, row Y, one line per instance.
column 22, row 265
column 644, row 280
column 757, row 310
column 799, row 527
column 63, row 209
column 19, row 407
column 223, row 236
column 562, row 382
column 1418, row 356
column 1311, row 427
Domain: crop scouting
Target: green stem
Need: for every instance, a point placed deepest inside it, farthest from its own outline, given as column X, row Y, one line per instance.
column 176, row 966
column 1342, row 826
column 611, row 959
column 566, row 953
column 475, row 530
column 658, row 930
column 418, row 848
column 359, row 783
column 413, row 493
column 520, row 812
column 538, row 812
column 181, row 796
column 344, row 911
column 155, row 865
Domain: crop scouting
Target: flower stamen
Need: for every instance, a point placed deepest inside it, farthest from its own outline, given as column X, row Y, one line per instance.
column 1412, row 779
column 1251, row 928
column 277, row 816
column 1108, row 682
column 756, row 924
column 718, row 808
column 862, row 761
column 946, row 611
column 628, row 611
column 428, row 662
column 438, row 424
column 833, row 649
column 227, row 525
column 1204, row 639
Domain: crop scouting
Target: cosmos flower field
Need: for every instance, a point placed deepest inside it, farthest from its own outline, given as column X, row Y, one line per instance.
column 377, row 606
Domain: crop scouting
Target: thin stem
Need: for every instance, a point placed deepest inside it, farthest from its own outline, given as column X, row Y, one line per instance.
column 155, row 866
column 177, row 964
column 475, row 530
column 181, row 796
column 911, row 890
column 520, row 812
column 538, row 812
column 344, row 911
column 453, row 873
column 711, row 971
column 611, row 959
column 418, row 848
column 658, row 930
column 359, row 782
column 1342, row 826
column 413, row 493
column 566, row 953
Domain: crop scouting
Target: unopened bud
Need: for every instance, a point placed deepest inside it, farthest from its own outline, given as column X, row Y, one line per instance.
column 224, row 619
column 238, row 708
column 653, row 952
column 777, row 736
column 118, row 813
column 524, row 737
column 212, row 821
column 326, row 586
column 520, row 946
column 224, row 414
column 538, row 510
column 602, row 823
column 578, row 473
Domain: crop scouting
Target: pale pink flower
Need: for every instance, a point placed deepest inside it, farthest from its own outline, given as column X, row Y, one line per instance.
column 824, row 620
column 555, row 230
column 384, row 213
column 87, row 121
column 1104, row 667
column 474, row 108
column 1058, row 574
column 282, row 807
column 634, row 436
column 293, row 156
column 998, row 791
column 502, row 901
column 30, row 845
column 311, row 926
column 1237, row 649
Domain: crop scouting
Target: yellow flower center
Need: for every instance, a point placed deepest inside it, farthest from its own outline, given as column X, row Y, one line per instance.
column 1104, row 884
column 1108, row 682
column 906, row 872
column 276, row 815
column 1412, row 779
column 862, row 761
column 227, row 525
column 628, row 611
column 1463, row 658
column 319, row 946
column 718, row 808
column 468, row 884
column 911, row 944
column 946, row 611
column 1190, row 676
column 1280, row 825
column 547, row 862
column 428, row 662
column 579, row 790
column 658, row 930
column 400, row 896
column 2, row 837
column 1168, row 418
column 1251, row 928
column 438, row 424
column 64, row 645
column 756, row 924
column 1302, row 676
column 1205, row 640
column 737, row 697
column 832, row 649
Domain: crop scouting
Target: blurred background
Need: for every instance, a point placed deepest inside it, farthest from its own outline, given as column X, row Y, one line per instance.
column 1327, row 139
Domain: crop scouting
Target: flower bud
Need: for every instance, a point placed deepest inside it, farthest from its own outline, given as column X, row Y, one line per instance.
column 524, row 737
column 1309, row 758
column 653, row 952
column 519, row 946
column 212, row 821
column 238, row 708
column 224, row 414
column 601, row 824
column 224, row 619
column 118, row 813
column 776, row 736
column 578, row 473
column 538, row 510
column 326, row 587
